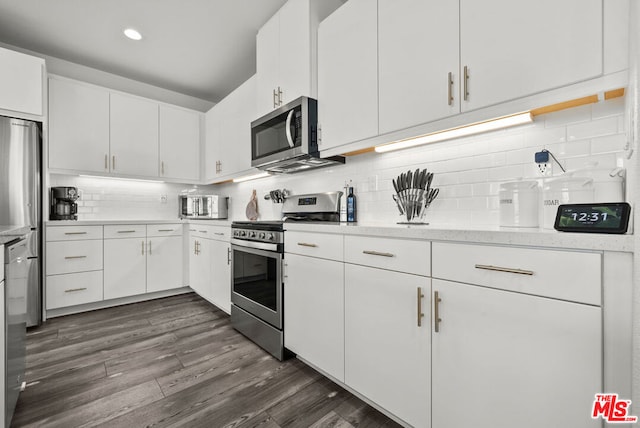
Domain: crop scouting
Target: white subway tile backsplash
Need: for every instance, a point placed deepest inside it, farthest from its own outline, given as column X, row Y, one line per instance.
column 468, row 171
column 594, row 128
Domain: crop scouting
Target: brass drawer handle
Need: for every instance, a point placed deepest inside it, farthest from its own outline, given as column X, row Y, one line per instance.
column 75, row 233
column 219, row 233
column 420, row 313
column 436, row 312
column 71, row 290
column 503, row 269
column 75, row 257
column 304, row 244
column 377, row 253
column 203, row 231
column 165, row 230
column 126, row 231
column 465, row 86
column 450, row 89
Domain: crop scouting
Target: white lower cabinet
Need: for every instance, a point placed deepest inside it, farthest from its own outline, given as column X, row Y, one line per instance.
column 74, row 289
column 387, row 354
column 200, row 267
column 210, row 264
column 164, row 263
column 314, row 316
column 125, row 267
column 221, row 274
column 505, row 359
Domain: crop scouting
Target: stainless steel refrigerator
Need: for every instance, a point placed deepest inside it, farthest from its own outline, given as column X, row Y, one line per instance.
column 21, row 197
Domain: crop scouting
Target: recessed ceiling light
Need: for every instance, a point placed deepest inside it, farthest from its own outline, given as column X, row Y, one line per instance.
column 132, row 34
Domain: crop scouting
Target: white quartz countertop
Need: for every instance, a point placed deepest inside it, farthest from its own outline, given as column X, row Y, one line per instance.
column 501, row 236
column 9, row 233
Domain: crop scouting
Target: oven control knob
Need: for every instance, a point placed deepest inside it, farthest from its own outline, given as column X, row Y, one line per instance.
column 262, row 235
column 270, row 237
column 252, row 234
column 243, row 233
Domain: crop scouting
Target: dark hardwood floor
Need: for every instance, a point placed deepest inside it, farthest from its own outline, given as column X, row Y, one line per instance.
column 172, row 362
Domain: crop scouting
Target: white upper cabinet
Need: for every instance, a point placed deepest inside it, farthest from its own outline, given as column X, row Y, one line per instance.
column 21, row 82
column 418, row 56
column 78, row 126
column 179, row 143
column 134, row 136
column 348, row 74
column 286, row 57
column 516, row 48
column 228, row 134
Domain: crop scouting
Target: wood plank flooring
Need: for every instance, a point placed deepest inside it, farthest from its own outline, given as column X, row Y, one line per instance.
column 173, row 362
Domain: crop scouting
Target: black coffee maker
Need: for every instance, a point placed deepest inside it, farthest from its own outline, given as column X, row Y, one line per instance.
column 63, row 203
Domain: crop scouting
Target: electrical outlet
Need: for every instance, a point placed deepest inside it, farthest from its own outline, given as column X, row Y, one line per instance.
column 163, row 199
column 79, row 194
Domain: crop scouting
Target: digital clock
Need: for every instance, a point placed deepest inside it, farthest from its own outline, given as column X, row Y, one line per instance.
column 595, row 218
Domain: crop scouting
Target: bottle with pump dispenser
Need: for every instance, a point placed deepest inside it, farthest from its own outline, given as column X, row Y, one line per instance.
column 351, row 206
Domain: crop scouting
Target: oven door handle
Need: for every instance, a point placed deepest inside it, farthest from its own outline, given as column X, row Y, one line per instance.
column 239, row 244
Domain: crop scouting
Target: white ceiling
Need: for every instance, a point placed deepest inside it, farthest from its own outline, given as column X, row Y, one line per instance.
column 200, row 48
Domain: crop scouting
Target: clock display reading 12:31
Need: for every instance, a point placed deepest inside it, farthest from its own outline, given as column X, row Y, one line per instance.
column 596, row 218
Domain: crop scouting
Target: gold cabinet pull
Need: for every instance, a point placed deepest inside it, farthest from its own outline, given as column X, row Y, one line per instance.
column 162, row 167
column 420, row 313
column 450, row 89
column 113, row 162
column 504, row 269
column 149, row 248
column 275, row 99
column 436, row 311
column 219, row 233
column 143, row 248
column 126, row 231
column 72, row 290
column 203, row 231
column 168, row 230
column 279, row 96
column 304, row 244
column 195, row 247
column 465, row 85
column 75, row 233
column 377, row 253
column 75, row 257
column 106, row 161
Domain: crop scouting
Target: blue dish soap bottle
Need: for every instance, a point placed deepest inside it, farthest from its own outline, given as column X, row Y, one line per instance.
column 351, row 206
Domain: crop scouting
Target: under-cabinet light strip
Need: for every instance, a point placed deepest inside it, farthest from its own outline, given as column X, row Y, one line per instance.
column 463, row 131
column 251, row 177
column 120, row 178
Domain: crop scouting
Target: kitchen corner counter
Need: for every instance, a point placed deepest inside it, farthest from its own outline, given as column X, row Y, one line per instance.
column 488, row 235
column 9, row 233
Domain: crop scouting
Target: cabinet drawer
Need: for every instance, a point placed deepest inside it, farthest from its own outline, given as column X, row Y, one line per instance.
column 386, row 253
column 74, row 289
column 220, row 233
column 73, row 233
column 566, row 275
column 113, row 231
column 164, row 230
column 201, row 231
column 73, row 256
column 320, row 245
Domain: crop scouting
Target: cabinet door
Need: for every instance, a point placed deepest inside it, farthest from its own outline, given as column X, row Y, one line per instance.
column 125, row 267
column 134, row 136
column 314, row 321
column 387, row 355
column 348, row 74
column 516, row 48
column 213, row 141
column 179, row 143
column 235, row 144
column 418, row 46
column 295, row 50
column 164, row 263
column 221, row 275
column 510, row 359
column 21, row 82
column 200, row 267
column 267, row 65
column 78, row 127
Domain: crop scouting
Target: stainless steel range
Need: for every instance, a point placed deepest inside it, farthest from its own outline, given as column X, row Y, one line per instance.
column 257, row 286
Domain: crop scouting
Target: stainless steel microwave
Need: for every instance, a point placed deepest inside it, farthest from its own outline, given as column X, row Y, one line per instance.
column 286, row 140
column 203, row 207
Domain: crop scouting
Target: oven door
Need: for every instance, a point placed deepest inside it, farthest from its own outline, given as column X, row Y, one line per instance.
column 256, row 282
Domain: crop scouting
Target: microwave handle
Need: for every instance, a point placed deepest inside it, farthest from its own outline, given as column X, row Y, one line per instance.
column 288, row 129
